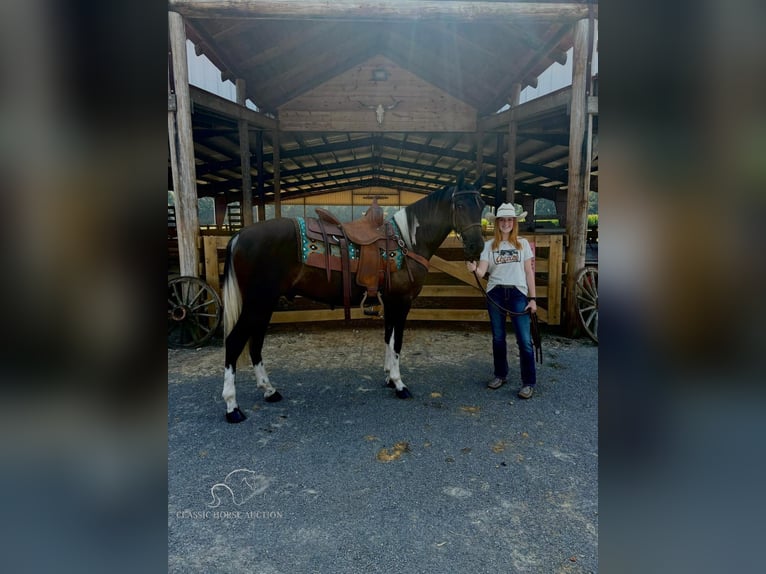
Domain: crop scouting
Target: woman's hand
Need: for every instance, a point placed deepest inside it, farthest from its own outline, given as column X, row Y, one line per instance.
column 532, row 306
column 471, row 266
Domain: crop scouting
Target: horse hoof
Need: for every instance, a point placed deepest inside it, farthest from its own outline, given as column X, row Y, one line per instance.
column 273, row 398
column 390, row 384
column 235, row 416
column 404, row 393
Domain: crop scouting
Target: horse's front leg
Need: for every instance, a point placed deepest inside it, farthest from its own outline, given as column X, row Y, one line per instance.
column 393, row 337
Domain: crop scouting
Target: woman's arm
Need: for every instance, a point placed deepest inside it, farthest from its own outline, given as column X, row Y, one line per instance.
column 480, row 268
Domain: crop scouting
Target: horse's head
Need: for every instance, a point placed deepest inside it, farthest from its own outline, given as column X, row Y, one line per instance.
column 467, row 208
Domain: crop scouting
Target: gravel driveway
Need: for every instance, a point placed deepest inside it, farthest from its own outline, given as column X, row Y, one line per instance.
column 343, row 477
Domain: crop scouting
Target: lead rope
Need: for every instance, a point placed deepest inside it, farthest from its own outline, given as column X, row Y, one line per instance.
column 534, row 327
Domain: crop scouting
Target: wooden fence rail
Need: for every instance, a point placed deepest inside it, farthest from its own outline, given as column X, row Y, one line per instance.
column 449, row 293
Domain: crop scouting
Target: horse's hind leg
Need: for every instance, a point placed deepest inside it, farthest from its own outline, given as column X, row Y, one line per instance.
column 261, row 323
column 235, row 344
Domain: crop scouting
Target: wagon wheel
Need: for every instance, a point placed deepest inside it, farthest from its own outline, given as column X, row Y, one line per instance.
column 586, row 292
column 194, row 312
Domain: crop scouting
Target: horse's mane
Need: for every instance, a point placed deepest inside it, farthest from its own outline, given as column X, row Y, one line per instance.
column 419, row 209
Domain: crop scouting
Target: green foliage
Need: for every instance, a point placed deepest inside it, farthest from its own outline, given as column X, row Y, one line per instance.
column 593, row 220
column 592, row 202
column 206, row 210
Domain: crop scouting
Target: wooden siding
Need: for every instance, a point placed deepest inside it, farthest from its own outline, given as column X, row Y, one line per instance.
column 348, row 102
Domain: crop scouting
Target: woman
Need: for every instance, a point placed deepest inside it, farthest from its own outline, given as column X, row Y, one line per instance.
column 510, row 287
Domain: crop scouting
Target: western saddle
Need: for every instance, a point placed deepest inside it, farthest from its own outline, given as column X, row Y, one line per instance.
column 372, row 236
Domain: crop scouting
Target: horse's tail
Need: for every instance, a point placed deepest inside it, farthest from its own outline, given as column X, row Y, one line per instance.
column 232, row 299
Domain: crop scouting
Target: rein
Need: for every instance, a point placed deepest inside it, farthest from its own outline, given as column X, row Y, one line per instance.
column 534, row 327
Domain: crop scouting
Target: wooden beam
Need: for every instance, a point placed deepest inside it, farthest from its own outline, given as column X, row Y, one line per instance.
column 527, row 110
column 499, row 171
column 458, row 10
column 531, row 65
column 479, row 153
column 182, row 152
column 457, row 270
column 244, row 158
column 277, row 178
column 579, row 167
column 512, row 126
column 261, row 179
column 222, row 105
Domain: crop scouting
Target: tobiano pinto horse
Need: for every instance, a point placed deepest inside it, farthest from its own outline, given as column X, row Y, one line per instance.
column 278, row 257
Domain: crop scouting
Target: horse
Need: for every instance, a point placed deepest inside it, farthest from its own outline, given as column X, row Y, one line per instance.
column 268, row 260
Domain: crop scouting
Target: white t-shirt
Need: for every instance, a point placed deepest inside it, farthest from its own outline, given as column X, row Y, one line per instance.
column 506, row 265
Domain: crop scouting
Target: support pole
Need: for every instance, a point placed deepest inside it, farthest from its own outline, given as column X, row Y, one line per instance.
column 182, row 152
column 579, row 173
column 479, row 152
column 499, row 171
column 244, row 158
column 259, row 167
column 277, row 171
column 510, row 190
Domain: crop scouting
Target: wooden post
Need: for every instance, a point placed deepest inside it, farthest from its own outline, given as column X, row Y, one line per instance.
column 182, row 152
column 499, row 171
column 244, row 159
column 479, row 152
column 510, row 189
column 259, row 167
column 220, row 210
column 577, row 197
column 277, row 184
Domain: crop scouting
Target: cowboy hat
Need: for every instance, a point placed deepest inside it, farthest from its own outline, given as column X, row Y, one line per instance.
column 510, row 210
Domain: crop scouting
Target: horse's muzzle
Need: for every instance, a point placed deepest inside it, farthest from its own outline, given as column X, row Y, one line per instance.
column 472, row 247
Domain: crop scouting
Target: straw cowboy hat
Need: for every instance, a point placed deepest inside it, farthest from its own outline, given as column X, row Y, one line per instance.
column 510, row 210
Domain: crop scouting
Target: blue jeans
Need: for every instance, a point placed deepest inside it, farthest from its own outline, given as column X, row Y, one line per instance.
column 514, row 300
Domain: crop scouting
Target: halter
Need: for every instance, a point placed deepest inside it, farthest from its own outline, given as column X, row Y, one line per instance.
column 452, row 210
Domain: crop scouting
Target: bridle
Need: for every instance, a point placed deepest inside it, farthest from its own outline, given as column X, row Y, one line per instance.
column 455, row 193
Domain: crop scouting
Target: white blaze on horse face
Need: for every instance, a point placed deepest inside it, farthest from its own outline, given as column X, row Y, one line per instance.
column 262, row 380
column 229, row 391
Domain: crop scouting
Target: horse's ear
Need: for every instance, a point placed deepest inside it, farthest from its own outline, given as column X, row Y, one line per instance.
column 460, row 180
column 480, row 180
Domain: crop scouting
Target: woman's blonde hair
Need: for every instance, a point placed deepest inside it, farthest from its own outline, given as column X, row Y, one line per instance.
column 513, row 237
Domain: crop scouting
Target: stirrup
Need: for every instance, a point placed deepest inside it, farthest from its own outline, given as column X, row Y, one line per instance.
column 371, row 310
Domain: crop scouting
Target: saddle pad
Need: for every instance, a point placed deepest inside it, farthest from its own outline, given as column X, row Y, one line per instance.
column 309, row 245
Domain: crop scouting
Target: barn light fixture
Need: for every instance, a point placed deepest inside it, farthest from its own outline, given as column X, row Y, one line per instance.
column 379, row 75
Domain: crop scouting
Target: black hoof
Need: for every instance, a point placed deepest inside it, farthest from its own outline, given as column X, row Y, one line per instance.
column 404, row 393
column 273, row 398
column 235, row 416
column 390, row 384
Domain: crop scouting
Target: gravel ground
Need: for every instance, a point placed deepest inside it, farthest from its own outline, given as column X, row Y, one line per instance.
column 343, row 477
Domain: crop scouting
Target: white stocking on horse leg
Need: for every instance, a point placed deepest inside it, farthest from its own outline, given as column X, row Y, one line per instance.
column 270, row 394
column 229, row 390
column 233, row 414
column 389, row 359
column 393, row 376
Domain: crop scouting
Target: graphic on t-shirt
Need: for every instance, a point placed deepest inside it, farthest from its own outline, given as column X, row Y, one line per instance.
column 507, row 256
